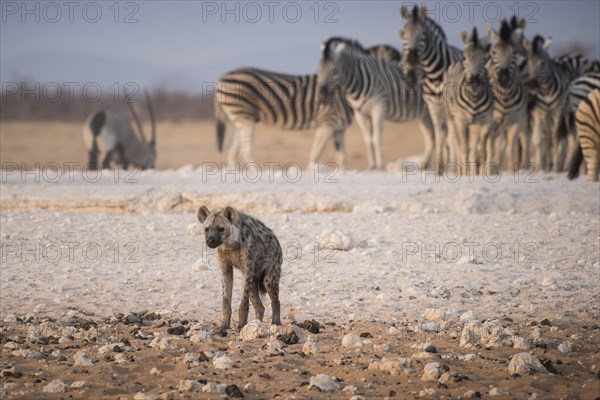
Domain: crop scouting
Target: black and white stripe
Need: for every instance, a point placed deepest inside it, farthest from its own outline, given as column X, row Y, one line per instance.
column 250, row 95
column 376, row 89
column 583, row 112
column 468, row 101
column 427, row 50
column 511, row 125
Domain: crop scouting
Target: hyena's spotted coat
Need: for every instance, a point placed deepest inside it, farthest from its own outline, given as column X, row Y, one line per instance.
column 247, row 244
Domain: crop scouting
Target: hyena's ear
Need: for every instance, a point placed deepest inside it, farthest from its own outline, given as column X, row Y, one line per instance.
column 231, row 214
column 203, row 214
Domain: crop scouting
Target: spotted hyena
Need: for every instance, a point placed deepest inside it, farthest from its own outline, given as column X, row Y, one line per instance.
column 247, row 244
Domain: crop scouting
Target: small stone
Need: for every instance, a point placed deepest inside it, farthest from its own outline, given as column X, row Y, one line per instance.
column 434, row 314
column 350, row 389
column 496, row 391
column 310, row 325
column 233, row 391
column 77, row 385
column 428, row 392
column 177, row 330
column 392, row 367
column 336, row 240
column 471, row 394
column 323, row 382
column 468, row 316
column 143, row 396
column 310, row 347
column 524, row 363
column 351, row 340
column 432, row 371
column 81, row 359
column 565, row 347
column 202, row 336
column 133, row 320
column 221, row 361
column 520, row 343
column 187, row 385
column 422, row 355
column 393, row 331
column 32, row 354
column 289, row 338
column 545, row 322
column 214, row 388
column 56, row 386
column 254, row 330
column 250, row 386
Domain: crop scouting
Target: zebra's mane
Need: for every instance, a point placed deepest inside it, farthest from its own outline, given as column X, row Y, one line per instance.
column 506, row 32
column 537, row 46
column 353, row 44
column 435, row 28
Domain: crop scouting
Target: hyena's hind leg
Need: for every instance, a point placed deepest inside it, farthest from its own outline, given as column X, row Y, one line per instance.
column 271, row 284
column 259, row 308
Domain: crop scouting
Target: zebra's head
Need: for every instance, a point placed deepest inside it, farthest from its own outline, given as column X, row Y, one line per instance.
column 331, row 50
column 413, row 33
column 475, row 57
column 504, row 54
column 539, row 59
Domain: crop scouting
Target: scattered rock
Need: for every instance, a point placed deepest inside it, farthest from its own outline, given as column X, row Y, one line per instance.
column 336, row 240
column 56, row 386
column 468, row 316
column 221, row 361
column 133, row 319
column 428, row 392
column 289, row 338
column 233, row 391
column 310, row 325
column 310, row 346
column 471, row 394
column 155, row 371
column 496, row 391
column 324, row 383
column 392, row 367
column 432, row 371
column 426, row 346
column 214, row 388
column 32, row 354
column 351, row 340
column 545, row 322
column 565, row 347
column 520, row 343
column 202, row 336
column 81, row 359
column 254, row 330
column 177, row 330
column 434, row 314
column 537, row 337
column 523, row 363
column 188, row 385
column 491, row 334
column 77, row 385
column 250, row 386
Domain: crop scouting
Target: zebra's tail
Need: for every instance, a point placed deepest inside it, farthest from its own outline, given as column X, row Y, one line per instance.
column 575, row 162
column 221, row 126
column 96, row 125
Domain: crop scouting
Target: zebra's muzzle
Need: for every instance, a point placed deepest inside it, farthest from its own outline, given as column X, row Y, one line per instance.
column 412, row 58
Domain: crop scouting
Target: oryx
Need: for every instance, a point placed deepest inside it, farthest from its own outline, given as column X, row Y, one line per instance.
column 111, row 141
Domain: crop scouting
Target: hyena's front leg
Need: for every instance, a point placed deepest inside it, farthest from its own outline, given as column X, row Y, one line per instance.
column 227, row 277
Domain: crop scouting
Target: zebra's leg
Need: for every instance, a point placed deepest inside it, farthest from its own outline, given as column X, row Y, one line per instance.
column 233, row 148
column 427, row 132
column 439, row 129
column 366, row 127
column 559, row 143
column 377, row 118
column 524, row 140
column 340, row 147
column 539, row 141
column 461, row 144
column 322, row 134
column 591, row 152
column 512, row 146
column 246, row 137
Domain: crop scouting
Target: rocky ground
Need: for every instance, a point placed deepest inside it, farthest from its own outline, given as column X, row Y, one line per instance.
column 150, row 356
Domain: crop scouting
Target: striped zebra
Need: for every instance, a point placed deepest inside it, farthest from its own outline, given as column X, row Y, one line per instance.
column 426, row 49
column 583, row 115
column 468, row 102
column 511, row 122
column 247, row 96
column 553, row 77
column 376, row 90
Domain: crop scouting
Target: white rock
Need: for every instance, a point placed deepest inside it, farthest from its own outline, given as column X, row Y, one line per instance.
column 11, row 318
column 162, row 343
column 221, row 361
column 81, row 359
column 565, row 347
column 434, row 314
column 214, row 388
column 432, row 371
column 250, row 386
column 422, row 355
column 496, row 391
column 324, row 382
column 350, row 389
column 520, row 343
column 201, row 336
column 187, row 385
column 28, row 354
column 468, row 316
column 120, row 358
column 336, row 240
column 254, row 330
column 155, row 371
column 523, row 363
column 393, row 331
column 56, row 386
column 11, row 345
column 310, row 347
column 428, row 392
column 392, row 367
column 351, row 340
column 384, row 347
column 77, row 385
column 470, row 394
column 491, row 333
column 468, row 357
column 537, row 336
column 191, row 357
column 144, row 396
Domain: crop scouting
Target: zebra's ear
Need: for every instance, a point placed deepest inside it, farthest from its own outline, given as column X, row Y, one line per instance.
column 547, row 43
column 323, row 46
column 492, row 34
column 423, row 13
column 203, row 213
column 404, row 12
column 464, row 36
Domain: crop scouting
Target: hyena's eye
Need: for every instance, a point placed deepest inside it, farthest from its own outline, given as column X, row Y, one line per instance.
column 206, row 229
column 221, row 229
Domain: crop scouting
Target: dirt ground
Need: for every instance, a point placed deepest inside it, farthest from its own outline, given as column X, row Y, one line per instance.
column 195, row 143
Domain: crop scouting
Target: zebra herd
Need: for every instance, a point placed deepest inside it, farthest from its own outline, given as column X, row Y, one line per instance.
column 475, row 106
column 501, row 101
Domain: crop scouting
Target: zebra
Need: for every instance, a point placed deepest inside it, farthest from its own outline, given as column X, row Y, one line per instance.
column 295, row 102
column 111, row 141
column 376, row 90
column 553, row 77
column 583, row 115
column 426, row 48
column 385, row 52
column 511, row 122
column 468, row 101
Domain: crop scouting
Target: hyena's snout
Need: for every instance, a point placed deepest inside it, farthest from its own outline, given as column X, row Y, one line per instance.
column 213, row 241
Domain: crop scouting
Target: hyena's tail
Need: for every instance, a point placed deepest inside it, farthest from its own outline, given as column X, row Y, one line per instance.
column 261, row 284
column 221, row 125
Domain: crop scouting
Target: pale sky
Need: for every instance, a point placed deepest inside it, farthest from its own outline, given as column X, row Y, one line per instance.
column 183, row 44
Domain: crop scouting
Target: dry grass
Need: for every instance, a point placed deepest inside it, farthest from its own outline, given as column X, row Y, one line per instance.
column 194, row 143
